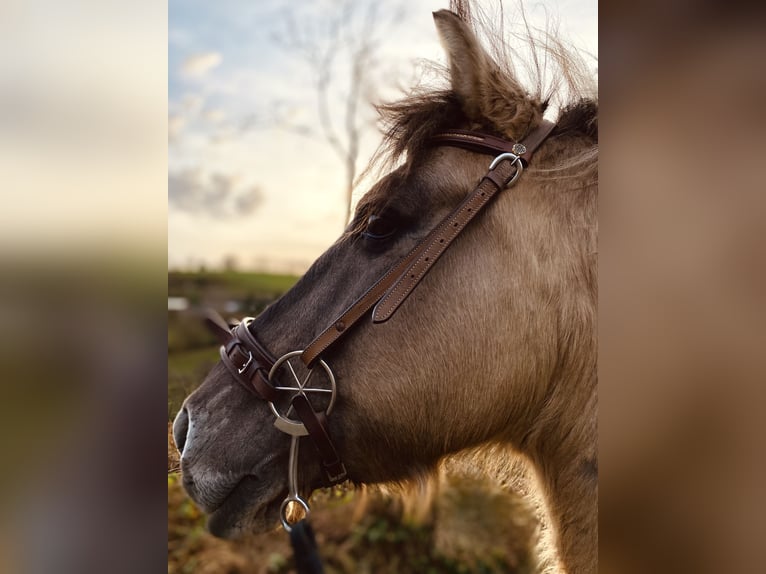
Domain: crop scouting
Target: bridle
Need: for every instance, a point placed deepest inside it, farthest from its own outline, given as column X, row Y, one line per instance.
column 255, row 368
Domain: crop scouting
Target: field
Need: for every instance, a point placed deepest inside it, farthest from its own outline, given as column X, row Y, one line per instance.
column 472, row 526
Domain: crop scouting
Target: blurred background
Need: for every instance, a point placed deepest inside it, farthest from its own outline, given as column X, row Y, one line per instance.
column 94, row 118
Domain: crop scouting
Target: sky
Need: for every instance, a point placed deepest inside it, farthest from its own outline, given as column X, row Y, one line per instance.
column 251, row 180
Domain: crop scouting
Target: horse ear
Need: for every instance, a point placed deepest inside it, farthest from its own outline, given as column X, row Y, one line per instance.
column 484, row 90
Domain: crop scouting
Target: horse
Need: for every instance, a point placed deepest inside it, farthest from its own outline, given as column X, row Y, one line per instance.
column 495, row 346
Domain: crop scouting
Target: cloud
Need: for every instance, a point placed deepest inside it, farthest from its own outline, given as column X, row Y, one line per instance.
column 192, row 103
column 215, row 116
column 216, row 195
column 200, row 64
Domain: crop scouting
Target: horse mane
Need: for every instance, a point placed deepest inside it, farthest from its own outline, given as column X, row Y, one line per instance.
column 551, row 71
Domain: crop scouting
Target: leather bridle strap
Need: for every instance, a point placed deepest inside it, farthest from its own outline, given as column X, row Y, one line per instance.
column 388, row 293
column 249, row 362
column 486, row 143
column 358, row 310
column 379, row 290
column 316, row 425
column 446, row 232
column 244, row 356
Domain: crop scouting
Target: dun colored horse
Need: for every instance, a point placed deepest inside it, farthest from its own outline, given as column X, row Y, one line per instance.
column 495, row 347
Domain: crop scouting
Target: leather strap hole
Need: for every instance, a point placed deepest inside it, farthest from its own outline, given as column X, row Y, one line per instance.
column 441, row 241
column 454, row 224
column 428, row 259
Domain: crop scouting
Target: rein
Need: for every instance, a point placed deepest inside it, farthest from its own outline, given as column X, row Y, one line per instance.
column 255, row 368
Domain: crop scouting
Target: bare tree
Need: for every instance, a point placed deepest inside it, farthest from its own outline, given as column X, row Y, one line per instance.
column 340, row 45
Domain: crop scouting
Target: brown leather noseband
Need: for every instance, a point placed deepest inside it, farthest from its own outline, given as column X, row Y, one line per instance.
column 250, row 362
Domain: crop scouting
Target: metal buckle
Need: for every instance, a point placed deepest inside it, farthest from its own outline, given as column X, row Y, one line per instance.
column 515, row 160
column 511, row 156
column 247, row 364
column 343, row 474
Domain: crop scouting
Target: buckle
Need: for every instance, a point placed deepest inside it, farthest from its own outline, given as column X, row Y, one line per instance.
column 342, row 475
column 514, row 159
column 247, row 364
column 511, row 156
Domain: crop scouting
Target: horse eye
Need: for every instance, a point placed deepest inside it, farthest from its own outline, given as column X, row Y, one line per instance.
column 379, row 228
column 378, row 233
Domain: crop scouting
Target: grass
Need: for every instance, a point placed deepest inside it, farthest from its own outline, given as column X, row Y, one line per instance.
column 188, row 363
column 354, row 535
column 238, row 285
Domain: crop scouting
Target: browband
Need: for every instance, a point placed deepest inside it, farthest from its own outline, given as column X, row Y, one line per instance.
column 489, row 144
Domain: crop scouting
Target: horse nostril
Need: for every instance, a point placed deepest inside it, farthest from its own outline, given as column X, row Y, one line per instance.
column 181, row 429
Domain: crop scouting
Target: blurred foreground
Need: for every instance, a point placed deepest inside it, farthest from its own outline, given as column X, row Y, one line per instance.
column 474, row 527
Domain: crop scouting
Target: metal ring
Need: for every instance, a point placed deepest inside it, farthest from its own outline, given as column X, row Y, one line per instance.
column 334, row 393
column 283, row 510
